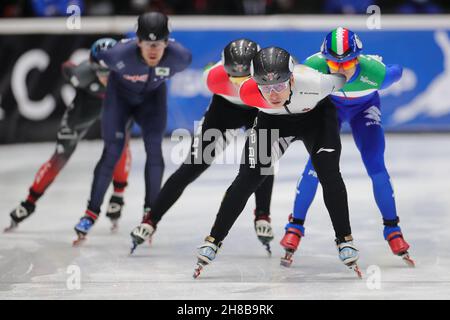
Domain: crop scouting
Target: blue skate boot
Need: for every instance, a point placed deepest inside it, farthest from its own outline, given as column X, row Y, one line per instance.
column 83, row 227
column 206, row 254
column 348, row 254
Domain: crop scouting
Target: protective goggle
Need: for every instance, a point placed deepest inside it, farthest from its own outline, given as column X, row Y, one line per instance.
column 154, row 44
column 345, row 65
column 278, row 87
column 238, row 80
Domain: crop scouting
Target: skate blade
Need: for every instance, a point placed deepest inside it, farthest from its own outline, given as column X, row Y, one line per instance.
column 268, row 249
column 134, row 245
column 408, row 260
column 114, row 226
column 79, row 241
column 11, row 228
column 287, row 260
column 198, row 269
column 356, row 269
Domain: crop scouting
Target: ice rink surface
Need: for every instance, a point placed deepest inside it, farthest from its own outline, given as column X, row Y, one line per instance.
column 38, row 261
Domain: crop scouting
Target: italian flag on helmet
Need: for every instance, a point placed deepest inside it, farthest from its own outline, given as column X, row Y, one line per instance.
column 341, row 45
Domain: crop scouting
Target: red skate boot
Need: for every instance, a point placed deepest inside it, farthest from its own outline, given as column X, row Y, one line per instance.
column 394, row 236
column 291, row 240
column 400, row 247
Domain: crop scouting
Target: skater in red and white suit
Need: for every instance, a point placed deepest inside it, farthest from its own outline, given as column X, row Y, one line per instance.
column 226, row 111
column 89, row 79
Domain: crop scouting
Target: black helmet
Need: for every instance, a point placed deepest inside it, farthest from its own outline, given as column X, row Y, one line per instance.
column 237, row 57
column 153, row 26
column 272, row 65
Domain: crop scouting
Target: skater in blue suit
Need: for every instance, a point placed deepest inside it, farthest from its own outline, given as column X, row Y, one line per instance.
column 136, row 90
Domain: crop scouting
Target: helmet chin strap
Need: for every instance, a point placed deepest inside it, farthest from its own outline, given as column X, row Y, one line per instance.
column 288, row 101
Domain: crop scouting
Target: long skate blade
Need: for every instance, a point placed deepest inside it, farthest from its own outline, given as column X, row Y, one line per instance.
column 355, row 268
column 268, row 249
column 133, row 247
column 284, row 262
column 408, row 260
column 198, row 269
column 11, row 227
column 79, row 241
column 287, row 260
column 114, row 226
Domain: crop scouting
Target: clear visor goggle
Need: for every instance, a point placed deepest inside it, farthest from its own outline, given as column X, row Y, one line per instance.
column 277, row 87
column 154, row 44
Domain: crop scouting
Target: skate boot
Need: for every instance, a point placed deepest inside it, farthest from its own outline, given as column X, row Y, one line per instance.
column 206, row 254
column 143, row 232
column 115, row 211
column 83, row 227
column 394, row 236
column 263, row 230
column 291, row 240
column 20, row 213
column 348, row 254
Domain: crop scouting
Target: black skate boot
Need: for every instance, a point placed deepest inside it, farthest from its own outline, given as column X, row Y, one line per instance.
column 143, row 232
column 114, row 211
column 20, row 213
column 264, row 230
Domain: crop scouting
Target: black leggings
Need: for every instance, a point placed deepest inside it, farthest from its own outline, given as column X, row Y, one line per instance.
column 221, row 115
column 320, row 134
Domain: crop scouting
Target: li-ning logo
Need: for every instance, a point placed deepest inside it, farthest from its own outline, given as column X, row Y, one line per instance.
column 324, row 149
column 136, row 78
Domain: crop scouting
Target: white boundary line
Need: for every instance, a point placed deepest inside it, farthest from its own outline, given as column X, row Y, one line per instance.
column 122, row 24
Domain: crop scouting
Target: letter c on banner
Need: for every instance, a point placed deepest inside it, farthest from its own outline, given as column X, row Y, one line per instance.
column 33, row 110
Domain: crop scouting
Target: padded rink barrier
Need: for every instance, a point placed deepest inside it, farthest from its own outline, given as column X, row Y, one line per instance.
column 34, row 96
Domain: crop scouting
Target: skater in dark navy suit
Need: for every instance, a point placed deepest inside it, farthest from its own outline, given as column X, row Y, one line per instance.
column 139, row 68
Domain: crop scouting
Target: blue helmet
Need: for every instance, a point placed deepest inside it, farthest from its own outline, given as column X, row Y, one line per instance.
column 341, row 45
column 100, row 45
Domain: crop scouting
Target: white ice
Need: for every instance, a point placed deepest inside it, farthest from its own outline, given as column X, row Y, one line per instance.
column 36, row 261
